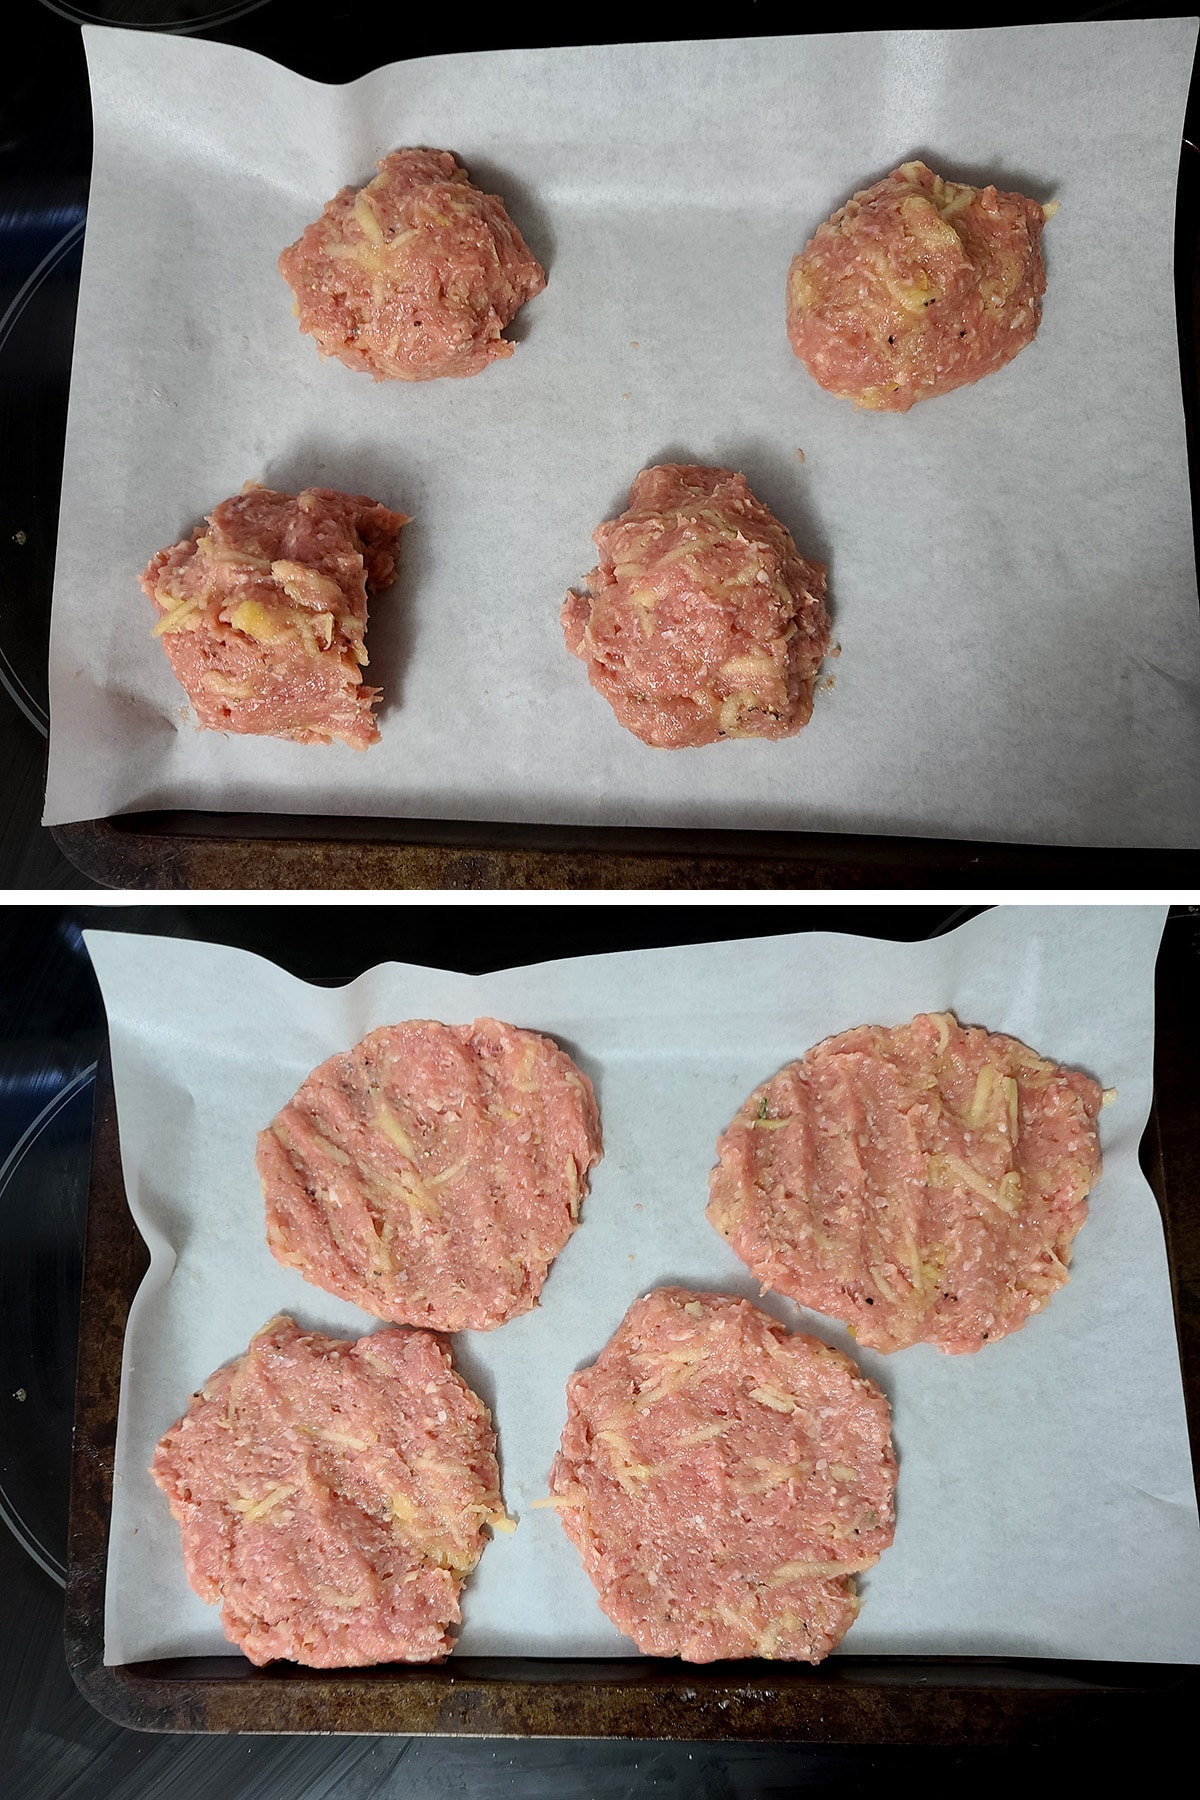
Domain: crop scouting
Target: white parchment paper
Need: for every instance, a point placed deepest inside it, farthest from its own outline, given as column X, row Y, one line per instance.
column 1045, row 1499
column 1011, row 567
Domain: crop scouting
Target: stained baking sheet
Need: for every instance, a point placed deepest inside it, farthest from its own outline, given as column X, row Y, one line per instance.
column 1045, row 1503
column 1011, row 567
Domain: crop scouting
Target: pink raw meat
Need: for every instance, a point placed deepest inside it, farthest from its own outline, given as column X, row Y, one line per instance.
column 333, row 1496
column 413, row 276
column 264, row 613
column 917, row 286
column 433, row 1173
column 924, row 1183
column 702, row 620
column 723, row 1480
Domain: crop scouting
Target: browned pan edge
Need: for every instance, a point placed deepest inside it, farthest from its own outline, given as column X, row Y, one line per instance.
column 867, row 1700
column 279, row 851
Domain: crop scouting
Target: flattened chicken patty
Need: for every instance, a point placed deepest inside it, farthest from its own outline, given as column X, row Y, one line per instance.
column 723, row 1479
column 701, row 620
column 413, row 276
column 332, row 1496
column 923, row 1183
column 432, row 1174
column 263, row 613
column 915, row 287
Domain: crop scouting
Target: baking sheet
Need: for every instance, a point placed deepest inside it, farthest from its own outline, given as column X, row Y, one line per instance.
column 1045, row 1499
column 1011, row 569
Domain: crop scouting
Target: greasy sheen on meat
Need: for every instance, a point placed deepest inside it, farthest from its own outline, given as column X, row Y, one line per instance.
column 333, row 1497
column 915, row 287
column 923, row 1183
column 723, row 1480
column 263, row 612
column 701, row 620
column 413, row 276
column 432, row 1174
